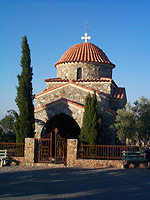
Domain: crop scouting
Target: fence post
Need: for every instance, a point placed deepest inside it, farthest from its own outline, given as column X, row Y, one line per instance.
column 71, row 152
column 107, row 152
column 29, row 151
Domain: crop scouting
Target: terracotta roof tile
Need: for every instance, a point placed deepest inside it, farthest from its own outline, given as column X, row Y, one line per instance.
column 84, row 52
column 119, row 93
column 79, row 80
column 56, row 80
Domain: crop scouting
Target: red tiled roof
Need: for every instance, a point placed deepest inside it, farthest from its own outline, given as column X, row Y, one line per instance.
column 94, row 80
column 56, row 80
column 81, row 80
column 84, row 52
column 119, row 93
column 60, row 100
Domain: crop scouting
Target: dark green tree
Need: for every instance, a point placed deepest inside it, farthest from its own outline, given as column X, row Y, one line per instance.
column 24, row 126
column 7, row 132
column 141, row 111
column 125, row 125
column 133, row 122
column 90, row 131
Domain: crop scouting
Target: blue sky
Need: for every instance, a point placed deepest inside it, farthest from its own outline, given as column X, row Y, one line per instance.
column 121, row 28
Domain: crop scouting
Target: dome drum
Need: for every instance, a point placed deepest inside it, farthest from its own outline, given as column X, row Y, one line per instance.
column 70, row 71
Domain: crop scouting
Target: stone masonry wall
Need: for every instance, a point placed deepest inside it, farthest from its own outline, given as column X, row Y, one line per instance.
column 51, row 85
column 73, row 93
column 89, row 70
column 29, row 151
column 42, row 116
column 104, row 87
column 72, row 160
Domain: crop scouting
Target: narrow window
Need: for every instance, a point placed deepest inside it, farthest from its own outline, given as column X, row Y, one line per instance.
column 79, row 73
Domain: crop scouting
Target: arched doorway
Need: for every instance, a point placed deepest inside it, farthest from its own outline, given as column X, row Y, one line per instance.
column 66, row 125
column 53, row 142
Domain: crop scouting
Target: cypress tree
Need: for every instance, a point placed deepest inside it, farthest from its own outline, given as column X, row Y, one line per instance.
column 90, row 131
column 24, row 125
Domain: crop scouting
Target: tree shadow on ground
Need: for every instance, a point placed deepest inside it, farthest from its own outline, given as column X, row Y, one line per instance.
column 69, row 183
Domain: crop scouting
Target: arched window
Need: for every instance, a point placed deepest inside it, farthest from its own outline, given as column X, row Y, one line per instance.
column 79, row 73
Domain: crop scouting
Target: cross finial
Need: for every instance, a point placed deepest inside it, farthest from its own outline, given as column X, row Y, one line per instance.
column 86, row 35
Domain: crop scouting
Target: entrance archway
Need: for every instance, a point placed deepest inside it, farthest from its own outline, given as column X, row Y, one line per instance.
column 66, row 125
column 53, row 142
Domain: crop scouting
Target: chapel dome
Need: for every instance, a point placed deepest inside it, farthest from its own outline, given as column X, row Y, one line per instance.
column 85, row 52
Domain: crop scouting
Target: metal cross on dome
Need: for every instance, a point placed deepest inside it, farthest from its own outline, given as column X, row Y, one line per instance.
column 86, row 35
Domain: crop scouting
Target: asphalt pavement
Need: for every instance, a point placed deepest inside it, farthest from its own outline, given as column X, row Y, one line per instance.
column 68, row 183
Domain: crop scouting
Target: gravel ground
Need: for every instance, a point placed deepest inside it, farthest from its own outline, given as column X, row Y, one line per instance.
column 39, row 183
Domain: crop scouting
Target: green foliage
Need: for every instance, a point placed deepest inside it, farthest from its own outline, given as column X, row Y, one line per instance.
column 90, row 130
column 134, row 122
column 125, row 124
column 24, row 125
column 141, row 111
column 7, row 133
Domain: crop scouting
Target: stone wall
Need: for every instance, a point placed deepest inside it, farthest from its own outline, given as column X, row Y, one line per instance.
column 72, row 160
column 46, row 106
column 29, row 152
column 102, row 86
column 51, row 85
column 49, row 105
column 71, row 92
column 42, row 116
column 89, row 70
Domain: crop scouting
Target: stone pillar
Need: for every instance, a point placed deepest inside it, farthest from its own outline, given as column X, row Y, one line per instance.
column 29, row 151
column 71, row 152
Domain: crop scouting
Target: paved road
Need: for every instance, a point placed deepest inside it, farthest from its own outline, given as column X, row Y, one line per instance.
column 64, row 183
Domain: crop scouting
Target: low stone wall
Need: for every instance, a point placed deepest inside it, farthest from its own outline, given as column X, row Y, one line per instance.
column 91, row 163
column 72, row 160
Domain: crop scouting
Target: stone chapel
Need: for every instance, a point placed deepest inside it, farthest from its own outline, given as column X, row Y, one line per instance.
column 82, row 69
